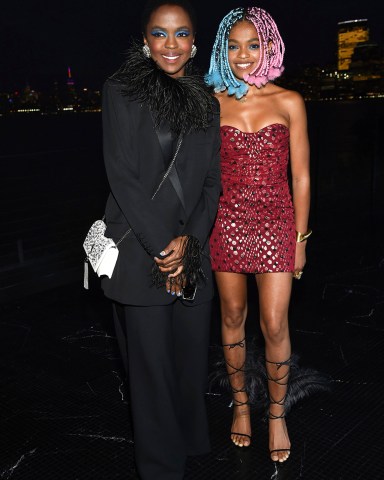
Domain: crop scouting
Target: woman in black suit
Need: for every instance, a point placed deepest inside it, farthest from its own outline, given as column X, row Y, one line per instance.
column 150, row 105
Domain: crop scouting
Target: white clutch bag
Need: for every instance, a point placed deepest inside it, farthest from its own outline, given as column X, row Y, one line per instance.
column 101, row 251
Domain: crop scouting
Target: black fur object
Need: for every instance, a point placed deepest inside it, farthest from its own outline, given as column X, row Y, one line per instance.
column 185, row 102
column 303, row 382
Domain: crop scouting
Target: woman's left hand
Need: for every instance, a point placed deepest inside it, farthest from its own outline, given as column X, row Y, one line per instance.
column 173, row 254
column 300, row 259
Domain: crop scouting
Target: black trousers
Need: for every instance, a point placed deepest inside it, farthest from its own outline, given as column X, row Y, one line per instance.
column 165, row 353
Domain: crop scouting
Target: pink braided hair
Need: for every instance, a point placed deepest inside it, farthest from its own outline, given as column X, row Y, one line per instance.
column 270, row 65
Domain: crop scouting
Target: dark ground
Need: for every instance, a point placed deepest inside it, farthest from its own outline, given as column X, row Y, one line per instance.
column 65, row 410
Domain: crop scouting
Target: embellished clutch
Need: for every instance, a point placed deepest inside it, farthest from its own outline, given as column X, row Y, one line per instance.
column 101, row 251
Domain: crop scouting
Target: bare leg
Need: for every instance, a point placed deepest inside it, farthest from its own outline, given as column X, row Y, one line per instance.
column 233, row 301
column 274, row 295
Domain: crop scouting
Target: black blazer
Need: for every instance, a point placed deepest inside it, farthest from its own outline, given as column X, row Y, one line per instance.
column 135, row 166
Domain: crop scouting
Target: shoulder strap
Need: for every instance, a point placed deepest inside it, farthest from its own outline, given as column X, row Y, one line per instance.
column 168, row 171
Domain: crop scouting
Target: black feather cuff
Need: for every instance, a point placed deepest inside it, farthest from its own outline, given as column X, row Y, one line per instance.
column 191, row 260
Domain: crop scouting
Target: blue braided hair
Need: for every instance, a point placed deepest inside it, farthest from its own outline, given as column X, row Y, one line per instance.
column 270, row 66
column 220, row 75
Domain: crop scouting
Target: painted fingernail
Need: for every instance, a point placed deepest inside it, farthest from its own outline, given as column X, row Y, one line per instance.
column 168, row 291
column 173, row 293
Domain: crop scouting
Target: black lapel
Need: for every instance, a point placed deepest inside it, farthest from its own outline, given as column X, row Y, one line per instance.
column 166, row 140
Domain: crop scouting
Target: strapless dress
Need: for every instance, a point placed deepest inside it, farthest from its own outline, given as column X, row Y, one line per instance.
column 254, row 231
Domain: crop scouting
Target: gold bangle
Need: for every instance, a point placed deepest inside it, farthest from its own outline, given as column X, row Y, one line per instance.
column 301, row 237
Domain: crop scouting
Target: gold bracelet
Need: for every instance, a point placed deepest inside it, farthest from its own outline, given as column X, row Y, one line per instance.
column 301, row 237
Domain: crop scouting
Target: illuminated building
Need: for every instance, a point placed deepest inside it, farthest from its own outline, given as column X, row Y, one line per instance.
column 350, row 34
column 71, row 98
column 70, row 81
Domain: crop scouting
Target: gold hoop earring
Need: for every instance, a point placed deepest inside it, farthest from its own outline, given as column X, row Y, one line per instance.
column 146, row 51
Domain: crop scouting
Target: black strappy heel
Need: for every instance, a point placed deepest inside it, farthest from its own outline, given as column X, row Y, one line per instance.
column 235, row 402
column 283, row 382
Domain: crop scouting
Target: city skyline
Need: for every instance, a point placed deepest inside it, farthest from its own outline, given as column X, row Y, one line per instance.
column 41, row 40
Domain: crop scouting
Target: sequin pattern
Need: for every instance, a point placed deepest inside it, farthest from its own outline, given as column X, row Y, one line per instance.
column 254, row 230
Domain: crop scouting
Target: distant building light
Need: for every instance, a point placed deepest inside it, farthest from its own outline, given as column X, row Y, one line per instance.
column 28, row 110
column 353, row 21
column 67, row 108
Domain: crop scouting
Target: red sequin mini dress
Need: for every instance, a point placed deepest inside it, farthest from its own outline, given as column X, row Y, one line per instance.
column 254, row 231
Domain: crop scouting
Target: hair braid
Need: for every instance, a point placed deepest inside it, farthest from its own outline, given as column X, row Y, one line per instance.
column 270, row 65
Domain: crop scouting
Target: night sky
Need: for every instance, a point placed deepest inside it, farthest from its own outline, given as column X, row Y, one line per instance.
column 39, row 39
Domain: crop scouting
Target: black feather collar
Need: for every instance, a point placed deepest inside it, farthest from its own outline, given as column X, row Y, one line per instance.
column 184, row 102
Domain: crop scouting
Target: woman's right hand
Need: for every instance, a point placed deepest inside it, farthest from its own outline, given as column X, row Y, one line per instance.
column 175, row 284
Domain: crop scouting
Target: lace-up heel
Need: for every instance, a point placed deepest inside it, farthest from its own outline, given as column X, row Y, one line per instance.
column 235, row 361
column 278, row 387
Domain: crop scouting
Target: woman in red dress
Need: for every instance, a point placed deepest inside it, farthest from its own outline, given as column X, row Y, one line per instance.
column 260, row 228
